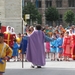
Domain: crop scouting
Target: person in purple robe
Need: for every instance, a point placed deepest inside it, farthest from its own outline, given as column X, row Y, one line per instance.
column 35, row 48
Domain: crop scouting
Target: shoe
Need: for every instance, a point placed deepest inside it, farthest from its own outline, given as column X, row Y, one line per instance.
column 57, row 59
column 25, row 60
column 32, row 66
column 38, row 66
column 18, row 60
column 60, row 59
column 51, row 59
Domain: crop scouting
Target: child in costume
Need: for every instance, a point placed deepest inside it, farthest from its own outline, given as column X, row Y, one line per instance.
column 67, row 46
column 48, row 49
column 59, row 47
column 5, row 54
column 53, row 47
column 15, row 50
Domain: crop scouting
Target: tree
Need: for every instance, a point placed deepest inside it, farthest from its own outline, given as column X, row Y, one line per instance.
column 52, row 14
column 73, row 20
column 31, row 9
column 69, row 16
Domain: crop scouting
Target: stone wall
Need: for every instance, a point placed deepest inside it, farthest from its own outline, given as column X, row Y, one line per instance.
column 2, row 9
column 11, row 14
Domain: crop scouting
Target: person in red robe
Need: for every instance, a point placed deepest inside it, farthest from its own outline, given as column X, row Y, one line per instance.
column 3, row 29
column 67, row 46
column 8, row 38
column 13, row 33
column 73, row 47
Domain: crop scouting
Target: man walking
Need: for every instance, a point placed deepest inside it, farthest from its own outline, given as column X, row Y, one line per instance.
column 35, row 49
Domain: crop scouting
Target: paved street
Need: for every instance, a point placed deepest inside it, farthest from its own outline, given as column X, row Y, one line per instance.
column 44, row 71
column 51, row 68
column 49, row 64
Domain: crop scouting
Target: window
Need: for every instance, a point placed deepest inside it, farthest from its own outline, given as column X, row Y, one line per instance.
column 48, row 3
column 59, row 3
column 38, row 3
column 71, row 3
column 25, row 3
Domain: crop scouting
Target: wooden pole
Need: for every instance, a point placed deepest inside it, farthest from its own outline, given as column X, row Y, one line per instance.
column 22, row 51
column 0, row 27
column 22, row 61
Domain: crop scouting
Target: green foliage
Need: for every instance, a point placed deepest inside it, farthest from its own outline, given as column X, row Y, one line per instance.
column 52, row 14
column 69, row 16
column 73, row 20
column 39, row 18
column 31, row 9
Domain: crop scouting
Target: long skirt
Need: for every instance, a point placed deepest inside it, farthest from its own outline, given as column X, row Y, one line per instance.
column 47, row 46
column 67, row 51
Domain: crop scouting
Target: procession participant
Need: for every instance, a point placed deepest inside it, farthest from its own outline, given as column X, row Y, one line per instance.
column 53, row 47
column 30, row 30
column 14, row 36
column 57, row 33
column 13, row 33
column 73, row 30
column 35, row 48
column 57, row 28
column 48, row 43
column 48, row 49
column 47, row 28
column 50, row 32
column 23, row 46
column 43, row 29
column 15, row 50
column 18, row 40
column 8, row 37
column 73, row 47
column 70, row 32
column 5, row 53
column 67, row 46
column 59, row 47
column 61, row 29
column 26, row 28
column 8, row 29
column 47, row 31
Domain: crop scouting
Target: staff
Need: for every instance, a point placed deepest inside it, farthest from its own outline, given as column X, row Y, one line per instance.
column 0, row 27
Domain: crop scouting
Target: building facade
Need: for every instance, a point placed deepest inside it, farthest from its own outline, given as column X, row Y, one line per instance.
column 61, row 5
column 11, row 14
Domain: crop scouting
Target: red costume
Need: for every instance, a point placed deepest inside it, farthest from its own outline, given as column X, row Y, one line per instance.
column 47, row 46
column 8, row 38
column 67, row 46
column 73, row 47
column 3, row 29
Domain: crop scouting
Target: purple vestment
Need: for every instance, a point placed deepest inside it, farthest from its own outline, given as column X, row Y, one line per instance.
column 35, row 50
